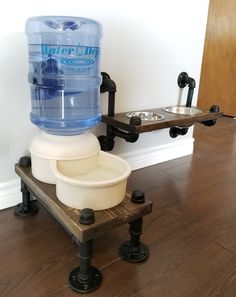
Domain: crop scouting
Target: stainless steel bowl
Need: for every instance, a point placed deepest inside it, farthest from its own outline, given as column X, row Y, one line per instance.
column 183, row 110
column 146, row 115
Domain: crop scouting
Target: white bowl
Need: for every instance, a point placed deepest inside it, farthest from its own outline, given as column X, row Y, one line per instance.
column 46, row 147
column 97, row 182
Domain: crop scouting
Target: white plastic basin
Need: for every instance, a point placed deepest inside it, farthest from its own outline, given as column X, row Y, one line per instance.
column 46, row 147
column 96, row 182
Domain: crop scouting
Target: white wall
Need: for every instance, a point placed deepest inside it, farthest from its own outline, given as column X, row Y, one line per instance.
column 146, row 44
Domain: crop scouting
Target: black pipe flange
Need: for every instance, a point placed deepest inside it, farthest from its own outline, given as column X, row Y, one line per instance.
column 26, row 207
column 182, row 80
column 81, row 285
column 85, row 278
column 132, row 253
column 134, row 250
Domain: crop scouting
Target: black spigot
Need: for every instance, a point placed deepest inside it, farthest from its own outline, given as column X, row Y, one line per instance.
column 183, row 81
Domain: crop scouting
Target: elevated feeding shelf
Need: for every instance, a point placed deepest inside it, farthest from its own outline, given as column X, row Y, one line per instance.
column 128, row 125
column 121, row 121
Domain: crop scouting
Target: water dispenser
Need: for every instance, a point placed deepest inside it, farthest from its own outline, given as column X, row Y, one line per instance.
column 65, row 79
column 64, row 76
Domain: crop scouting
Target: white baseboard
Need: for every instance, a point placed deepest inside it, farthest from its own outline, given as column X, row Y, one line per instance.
column 154, row 155
column 10, row 193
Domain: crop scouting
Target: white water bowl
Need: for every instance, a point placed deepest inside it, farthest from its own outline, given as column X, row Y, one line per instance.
column 97, row 182
column 46, row 147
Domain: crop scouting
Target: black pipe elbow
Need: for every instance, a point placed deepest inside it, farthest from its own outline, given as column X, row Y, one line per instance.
column 191, row 83
column 183, row 81
column 176, row 131
column 108, row 85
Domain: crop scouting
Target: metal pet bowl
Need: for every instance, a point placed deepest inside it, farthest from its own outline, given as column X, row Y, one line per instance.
column 183, row 110
column 146, row 115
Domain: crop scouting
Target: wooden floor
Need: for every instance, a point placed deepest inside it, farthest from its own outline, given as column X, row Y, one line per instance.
column 191, row 233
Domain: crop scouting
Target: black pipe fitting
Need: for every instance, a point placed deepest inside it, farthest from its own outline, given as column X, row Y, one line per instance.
column 213, row 108
column 107, row 141
column 134, row 250
column 135, row 121
column 27, row 207
column 85, row 278
column 138, row 197
column 25, row 161
column 176, row 131
column 183, row 81
column 86, row 216
column 129, row 137
column 108, row 85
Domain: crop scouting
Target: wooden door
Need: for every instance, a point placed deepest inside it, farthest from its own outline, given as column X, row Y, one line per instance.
column 218, row 74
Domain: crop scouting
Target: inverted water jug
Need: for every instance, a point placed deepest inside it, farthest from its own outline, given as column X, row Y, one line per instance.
column 64, row 73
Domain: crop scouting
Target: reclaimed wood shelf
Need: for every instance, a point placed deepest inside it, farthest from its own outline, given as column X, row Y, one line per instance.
column 121, row 121
column 105, row 220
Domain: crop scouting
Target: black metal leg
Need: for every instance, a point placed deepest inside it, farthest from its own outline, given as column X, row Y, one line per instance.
column 133, row 250
column 27, row 207
column 85, row 278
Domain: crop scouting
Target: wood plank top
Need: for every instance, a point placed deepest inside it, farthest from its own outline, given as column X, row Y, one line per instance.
column 120, row 120
column 105, row 220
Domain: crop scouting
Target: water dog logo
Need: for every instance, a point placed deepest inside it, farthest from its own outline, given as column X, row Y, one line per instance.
column 81, row 56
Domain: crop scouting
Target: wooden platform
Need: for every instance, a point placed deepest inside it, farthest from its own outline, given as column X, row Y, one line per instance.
column 105, row 220
column 121, row 121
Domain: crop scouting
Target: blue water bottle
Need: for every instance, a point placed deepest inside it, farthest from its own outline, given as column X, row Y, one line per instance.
column 64, row 73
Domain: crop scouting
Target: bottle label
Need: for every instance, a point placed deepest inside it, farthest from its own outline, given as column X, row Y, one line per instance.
column 77, row 59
